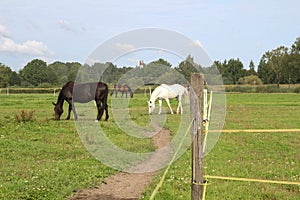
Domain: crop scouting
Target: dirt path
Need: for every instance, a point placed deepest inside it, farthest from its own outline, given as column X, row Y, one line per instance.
column 129, row 186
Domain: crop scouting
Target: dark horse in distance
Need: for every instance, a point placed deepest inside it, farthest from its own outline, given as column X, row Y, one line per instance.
column 123, row 89
column 82, row 93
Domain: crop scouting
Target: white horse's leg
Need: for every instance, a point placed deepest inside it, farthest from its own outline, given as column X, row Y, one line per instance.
column 179, row 106
column 168, row 102
column 160, row 104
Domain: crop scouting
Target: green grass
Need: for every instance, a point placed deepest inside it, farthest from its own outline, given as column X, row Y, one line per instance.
column 45, row 159
column 267, row 156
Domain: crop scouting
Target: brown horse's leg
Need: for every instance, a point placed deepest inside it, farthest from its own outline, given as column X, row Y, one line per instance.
column 101, row 106
column 106, row 112
column 100, row 109
column 74, row 112
column 69, row 112
column 71, row 107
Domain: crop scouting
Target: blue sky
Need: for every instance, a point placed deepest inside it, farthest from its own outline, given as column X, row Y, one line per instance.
column 68, row 30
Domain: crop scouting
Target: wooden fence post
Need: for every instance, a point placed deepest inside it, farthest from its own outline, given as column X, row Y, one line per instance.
column 196, row 94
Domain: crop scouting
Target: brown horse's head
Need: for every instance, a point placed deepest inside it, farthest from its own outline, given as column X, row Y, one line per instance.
column 58, row 110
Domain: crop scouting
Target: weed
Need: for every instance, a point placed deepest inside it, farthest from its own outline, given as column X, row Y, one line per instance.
column 25, row 116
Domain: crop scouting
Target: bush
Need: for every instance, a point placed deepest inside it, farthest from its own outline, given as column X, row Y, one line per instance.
column 297, row 90
column 250, row 80
column 24, row 116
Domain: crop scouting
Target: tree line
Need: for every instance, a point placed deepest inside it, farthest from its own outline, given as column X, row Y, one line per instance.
column 278, row 66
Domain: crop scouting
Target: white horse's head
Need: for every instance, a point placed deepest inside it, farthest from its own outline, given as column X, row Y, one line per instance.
column 151, row 106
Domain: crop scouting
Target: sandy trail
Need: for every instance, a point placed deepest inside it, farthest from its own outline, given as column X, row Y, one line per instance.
column 129, row 186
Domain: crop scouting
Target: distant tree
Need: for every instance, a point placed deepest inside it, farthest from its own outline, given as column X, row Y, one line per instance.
column 219, row 66
column 61, row 72
column 111, row 74
column 35, row 73
column 281, row 65
column 265, row 73
column 276, row 60
column 233, row 70
column 73, row 68
column 294, row 63
column 187, row 67
column 5, row 74
column 162, row 62
column 15, row 79
column 296, row 46
column 252, row 68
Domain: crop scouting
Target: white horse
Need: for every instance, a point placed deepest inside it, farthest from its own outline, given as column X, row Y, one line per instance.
column 167, row 92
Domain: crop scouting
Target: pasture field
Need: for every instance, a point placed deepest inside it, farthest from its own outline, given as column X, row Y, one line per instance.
column 45, row 159
column 267, row 156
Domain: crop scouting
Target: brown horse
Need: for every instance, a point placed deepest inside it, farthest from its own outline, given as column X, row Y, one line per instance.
column 82, row 93
column 123, row 89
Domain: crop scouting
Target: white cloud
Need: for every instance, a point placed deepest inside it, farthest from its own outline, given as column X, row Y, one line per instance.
column 30, row 47
column 3, row 31
column 196, row 43
column 66, row 25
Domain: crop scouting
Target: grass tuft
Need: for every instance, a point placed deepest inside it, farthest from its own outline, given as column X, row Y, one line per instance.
column 25, row 116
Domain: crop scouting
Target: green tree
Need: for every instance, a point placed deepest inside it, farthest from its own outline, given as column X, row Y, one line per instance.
column 5, row 74
column 294, row 63
column 276, row 60
column 265, row 73
column 252, row 68
column 281, row 65
column 15, row 79
column 61, row 72
column 35, row 73
column 296, row 46
column 187, row 67
column 73, row 68
column 233, row 70
column 111, row 74
column 220, row 66
column 161, row 62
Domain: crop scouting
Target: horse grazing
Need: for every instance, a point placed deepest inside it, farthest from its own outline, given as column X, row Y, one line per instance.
column 167, row 92
column 123, row 89
column 82, row 93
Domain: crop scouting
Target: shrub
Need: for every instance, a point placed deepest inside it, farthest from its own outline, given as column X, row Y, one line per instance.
column 250, row 80
column 25, row 116
column 297, row 90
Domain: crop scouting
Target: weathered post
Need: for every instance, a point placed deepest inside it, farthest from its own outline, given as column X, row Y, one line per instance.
column 196, row 93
